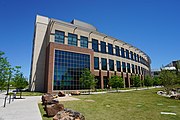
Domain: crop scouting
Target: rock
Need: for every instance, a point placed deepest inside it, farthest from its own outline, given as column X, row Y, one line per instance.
column 52, row 110
column 48, row 99
column 68, row 114
column 61, row 94
column 75, row 93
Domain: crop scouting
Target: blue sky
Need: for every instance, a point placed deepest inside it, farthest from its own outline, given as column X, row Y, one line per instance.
column 151, row 25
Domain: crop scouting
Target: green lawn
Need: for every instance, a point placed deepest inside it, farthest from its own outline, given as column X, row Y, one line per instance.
column 30, row 94
column 134, row 105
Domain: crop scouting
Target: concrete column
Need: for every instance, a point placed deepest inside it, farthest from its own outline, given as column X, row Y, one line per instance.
column 66, row 38
column 78, row 41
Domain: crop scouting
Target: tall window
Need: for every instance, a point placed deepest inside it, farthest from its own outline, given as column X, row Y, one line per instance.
column 59, row 36
column 118, row 64
column 72, row 39
column 84, row 42
column 124, row 66
column 127, row 54
column 103, row 47
column 95, row 45
column 122, row 53
column 137, row 57
column 128, row 68
column 132, row 57
column 139, row 69
column 96, row 63
column 117, row 50
column 136, row 69
column 68, row 68
column 110, row 49
column 133, row 68
column 104, row 63
column 111, row 65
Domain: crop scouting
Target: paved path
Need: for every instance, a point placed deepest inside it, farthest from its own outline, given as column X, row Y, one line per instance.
column 20, row 109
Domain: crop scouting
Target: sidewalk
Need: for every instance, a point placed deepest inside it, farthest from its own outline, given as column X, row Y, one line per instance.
column 20, row 109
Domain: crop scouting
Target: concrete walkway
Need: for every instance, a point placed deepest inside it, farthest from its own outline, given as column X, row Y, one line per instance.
column 20, row 109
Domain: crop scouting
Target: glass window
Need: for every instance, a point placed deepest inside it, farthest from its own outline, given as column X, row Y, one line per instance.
column 95, row 45
column 103, row 47
column 133, row 68
column 137, row 57
column 68, row 67
column 127, row 54
column 128, row 68
column 84, row 42
column 117, row 51
column 110, row 49
column 124, row 66
column 111, row 65
column 96, row 63
column 72, row 39
column 136, row 69
column 118, row 64
column 104, row 63
column 122, row 53
column 59, row 36
column 139, row 69
column 132, row 57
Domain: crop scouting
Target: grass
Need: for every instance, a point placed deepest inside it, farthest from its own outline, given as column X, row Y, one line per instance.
column 30, row 94
column 134, row 105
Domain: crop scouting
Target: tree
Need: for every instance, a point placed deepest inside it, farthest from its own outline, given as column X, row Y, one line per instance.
column 116, row 82
column 148, row 81
column 4, row 71
column 87, row 80
column 168, row 79
column 156, row 81
column 136, row 81
column 19, row 81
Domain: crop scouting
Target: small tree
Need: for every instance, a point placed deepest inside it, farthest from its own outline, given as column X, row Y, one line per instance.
column 116, row 82
column 148, row 81
column 136, row 81
column 87, row 80
column 19, row 81
column 4, row 71
column 156, row 81
column 168, row 79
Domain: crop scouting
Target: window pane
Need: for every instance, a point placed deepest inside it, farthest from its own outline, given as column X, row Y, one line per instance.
column 117, row 51
column 72, row 39
column 132, row 57
column 59, row 36
column 118, row 66
column 133, row 68
column 127, row 54
column 124, row 66
column 84, row 42
column 128, row 68
column 103, row 47
column 110, row 49
column 122, row 53
column 96, row 63
column 95, row 45
column 111, row 65
column 104, row 63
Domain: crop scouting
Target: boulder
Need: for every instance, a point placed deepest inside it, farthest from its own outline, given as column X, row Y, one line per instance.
column 75, row 93
column 68, row 114
column 52, row 110
column 61, row 94
column 48, row 99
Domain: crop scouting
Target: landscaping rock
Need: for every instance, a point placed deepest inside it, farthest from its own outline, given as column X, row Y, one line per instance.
column 52, row 110
column 48, row 99
column 61, row 94
column 75, row 93
column 68, row 114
